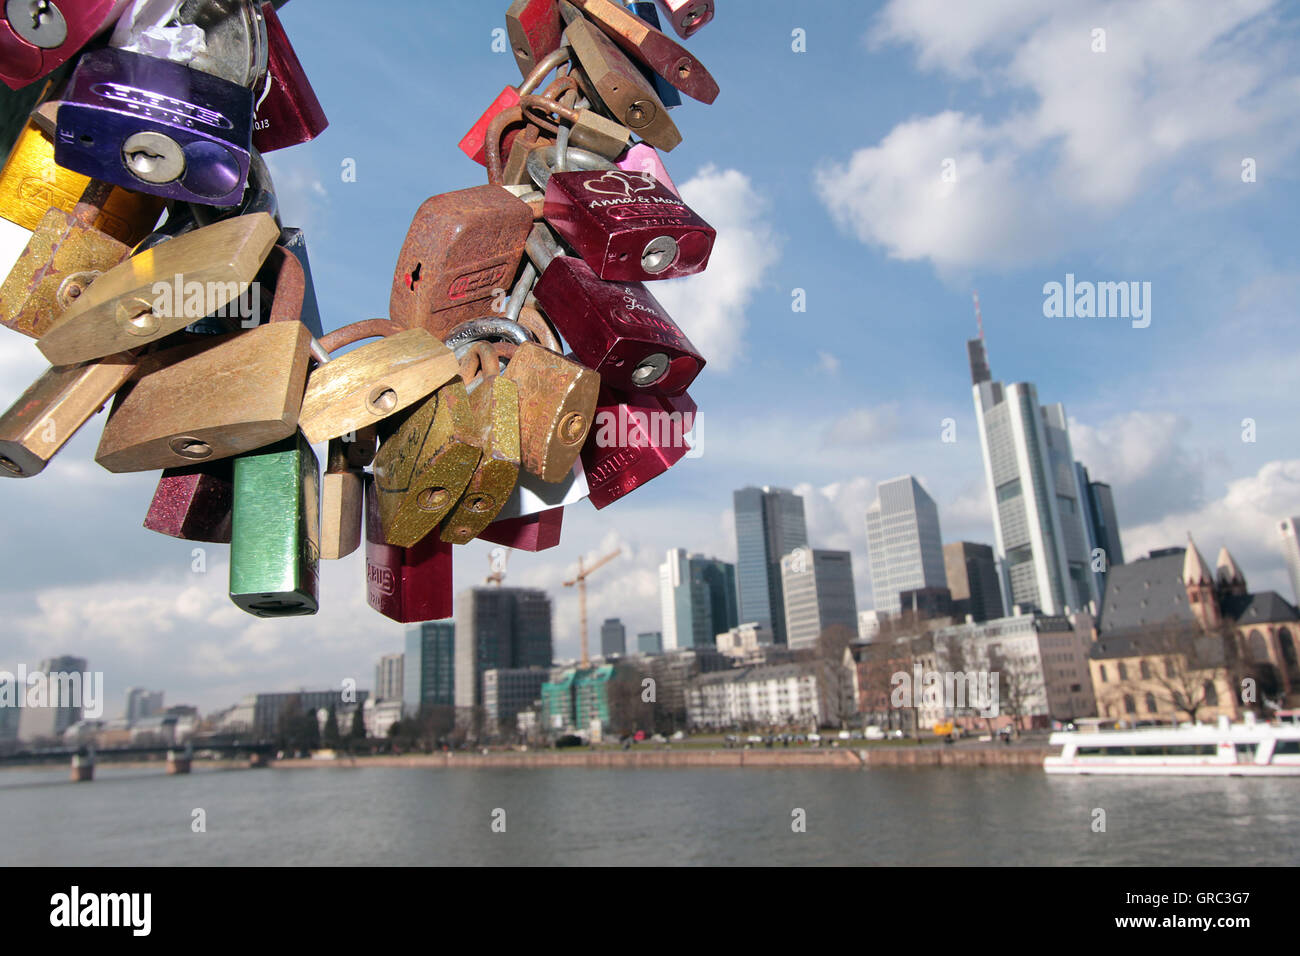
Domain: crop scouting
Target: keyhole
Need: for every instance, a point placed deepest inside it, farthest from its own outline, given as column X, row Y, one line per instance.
column 39, row 9
column 413, row 276
column 143, row 161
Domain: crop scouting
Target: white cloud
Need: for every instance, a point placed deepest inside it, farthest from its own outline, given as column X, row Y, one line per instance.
column 1245, row 520
column 711, row 307
column 1146, row 459
column 1176, row 91
column 863, row 426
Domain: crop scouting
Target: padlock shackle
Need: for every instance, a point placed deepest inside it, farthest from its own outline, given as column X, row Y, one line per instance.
column 492, row 142
column 542, row 247
column 482, row 330
column 553, row 60
column 365, row 329
column 538, row 324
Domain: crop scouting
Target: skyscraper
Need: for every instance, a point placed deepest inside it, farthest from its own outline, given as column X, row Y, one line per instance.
column 697, row 599
column 972, row 574
column 650, row 642
column 1038, row 510
column 498, row 627
column 818, row 588
column 903, row 542
column 389, row 678
column 613, row 637
column 1100, row 525
column 64, row 679
column 141, row 703
column 1291, row 549
column 429, row 666
column 769, row 524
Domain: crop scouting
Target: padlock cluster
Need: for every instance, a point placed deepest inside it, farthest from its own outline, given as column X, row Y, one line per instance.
column 524, row 364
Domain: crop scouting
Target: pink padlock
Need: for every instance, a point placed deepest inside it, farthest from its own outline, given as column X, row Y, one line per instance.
column 643, row 158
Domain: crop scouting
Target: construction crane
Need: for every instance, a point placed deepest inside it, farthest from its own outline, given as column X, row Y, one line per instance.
column 498, row 572
column 581, row 581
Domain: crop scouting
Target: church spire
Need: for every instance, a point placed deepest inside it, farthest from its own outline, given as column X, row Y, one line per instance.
column 1195, row 570
column 1229, row 574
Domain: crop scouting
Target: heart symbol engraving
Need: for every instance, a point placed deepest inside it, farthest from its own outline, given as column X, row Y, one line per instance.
column 613, row 183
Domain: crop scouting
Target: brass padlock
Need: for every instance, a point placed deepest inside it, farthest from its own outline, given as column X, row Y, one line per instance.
column 57, row 404
column 342, row 492
column 425, row 460
column 162, row 290
column 494, row 403
column 215, row 398
column 375, row 381
column 31, row 184
column 64, row 256
column 557, row 406
column 589, row 130
column 619, row 84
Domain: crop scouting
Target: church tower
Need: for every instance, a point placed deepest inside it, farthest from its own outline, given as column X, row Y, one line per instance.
column 1231, row 580
column 1199, row 582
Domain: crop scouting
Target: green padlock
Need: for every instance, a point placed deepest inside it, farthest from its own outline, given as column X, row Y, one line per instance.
column 275, row 530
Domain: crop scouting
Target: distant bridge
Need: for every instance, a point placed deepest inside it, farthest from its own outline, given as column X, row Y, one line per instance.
column 179, row 758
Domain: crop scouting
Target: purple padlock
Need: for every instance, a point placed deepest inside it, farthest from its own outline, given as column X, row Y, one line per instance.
column 156, row 127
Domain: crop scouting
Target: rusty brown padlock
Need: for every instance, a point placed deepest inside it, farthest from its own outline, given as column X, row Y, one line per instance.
column 619, row 84
column 463, row 248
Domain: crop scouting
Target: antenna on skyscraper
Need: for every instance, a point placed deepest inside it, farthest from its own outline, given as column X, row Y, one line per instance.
column 979, row 319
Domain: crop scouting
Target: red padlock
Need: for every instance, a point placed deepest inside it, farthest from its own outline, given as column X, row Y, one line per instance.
column 474, row 143
column 408, row 585
column 686, row 16
column 635, row 438
column 616, row 328
column 37, row 38
column 535, row 31
column 194, row 503
column 535, row 532
column 288, row 112
column 628, row 226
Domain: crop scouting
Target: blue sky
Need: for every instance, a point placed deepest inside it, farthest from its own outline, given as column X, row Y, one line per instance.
column 823, row 171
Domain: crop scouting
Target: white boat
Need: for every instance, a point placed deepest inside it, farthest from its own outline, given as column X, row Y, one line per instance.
column 1249, row 749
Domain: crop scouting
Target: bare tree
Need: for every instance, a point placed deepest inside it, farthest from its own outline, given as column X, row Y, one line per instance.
column 1184, row 666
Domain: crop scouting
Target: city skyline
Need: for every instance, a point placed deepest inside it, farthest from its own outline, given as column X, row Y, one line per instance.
column 1156, row 412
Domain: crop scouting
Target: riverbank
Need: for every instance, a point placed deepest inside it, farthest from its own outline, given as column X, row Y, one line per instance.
column 843, row 758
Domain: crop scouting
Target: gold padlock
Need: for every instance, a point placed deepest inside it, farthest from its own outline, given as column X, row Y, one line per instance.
column 31, row 184
column 162, row 290
column 494, row 402
column 425, row 459
column 208, row 400
column 64, row 256
column 57, row 404
column 375, row 381
column 342, row 492
column 557, row 405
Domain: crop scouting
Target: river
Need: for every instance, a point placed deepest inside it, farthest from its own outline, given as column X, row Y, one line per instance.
column 886, row 816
